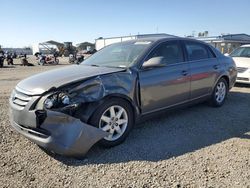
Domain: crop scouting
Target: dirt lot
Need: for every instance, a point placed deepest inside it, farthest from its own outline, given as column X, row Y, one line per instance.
column 198, row 146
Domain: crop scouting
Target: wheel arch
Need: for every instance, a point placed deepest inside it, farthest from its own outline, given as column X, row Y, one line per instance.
column 226, row 77
column 213, row 101
column 98, row 103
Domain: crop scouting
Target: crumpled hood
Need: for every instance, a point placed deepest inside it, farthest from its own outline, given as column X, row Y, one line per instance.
column 42, row 82
column 242, row 61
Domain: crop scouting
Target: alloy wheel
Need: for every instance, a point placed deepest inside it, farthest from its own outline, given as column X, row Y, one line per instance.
column 114, row 120
column 220, row 92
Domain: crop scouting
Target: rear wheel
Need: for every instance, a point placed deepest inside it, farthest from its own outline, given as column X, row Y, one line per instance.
column 41, row 62
column 116, row 118
column 220, row 93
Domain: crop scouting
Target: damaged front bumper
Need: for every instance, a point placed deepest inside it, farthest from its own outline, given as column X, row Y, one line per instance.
column 60, row 133
column 60, row 130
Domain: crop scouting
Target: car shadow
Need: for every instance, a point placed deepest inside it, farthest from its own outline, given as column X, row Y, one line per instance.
column 176, row 133
column 8, row 66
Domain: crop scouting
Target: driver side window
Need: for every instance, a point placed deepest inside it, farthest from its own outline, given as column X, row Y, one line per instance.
column 170, row 51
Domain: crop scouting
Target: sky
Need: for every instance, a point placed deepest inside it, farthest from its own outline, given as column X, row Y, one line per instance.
column 26, row 22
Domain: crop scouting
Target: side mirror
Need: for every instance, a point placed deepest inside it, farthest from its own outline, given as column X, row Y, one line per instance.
column 154, row 62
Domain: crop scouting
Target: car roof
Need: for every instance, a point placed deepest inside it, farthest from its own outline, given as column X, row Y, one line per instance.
column 169, row 38
column 151, row 39
column 164, row 38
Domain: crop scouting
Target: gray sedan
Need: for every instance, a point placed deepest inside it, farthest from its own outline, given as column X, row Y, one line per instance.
column 69, row 109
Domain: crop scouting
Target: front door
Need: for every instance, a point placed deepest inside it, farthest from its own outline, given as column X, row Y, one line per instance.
column 162, row 87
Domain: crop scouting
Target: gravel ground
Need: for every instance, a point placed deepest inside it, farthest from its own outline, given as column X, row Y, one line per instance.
column 199, row 146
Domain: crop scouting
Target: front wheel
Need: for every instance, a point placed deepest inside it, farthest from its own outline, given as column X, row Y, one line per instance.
column 116, row 118
column 220, row 93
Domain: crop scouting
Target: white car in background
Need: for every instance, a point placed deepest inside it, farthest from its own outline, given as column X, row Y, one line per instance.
column 241, row 56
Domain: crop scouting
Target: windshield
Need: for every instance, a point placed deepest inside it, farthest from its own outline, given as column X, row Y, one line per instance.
column 118, row 55
column 241, row 52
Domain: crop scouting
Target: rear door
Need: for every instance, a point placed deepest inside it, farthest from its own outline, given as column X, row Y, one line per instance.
column 166, row 86
column 204, row 68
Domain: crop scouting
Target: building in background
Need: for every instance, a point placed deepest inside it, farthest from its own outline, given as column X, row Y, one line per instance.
column 18, row 51
column 102, row 42
column 227, row 43
column 85, row 46
column 224, row 43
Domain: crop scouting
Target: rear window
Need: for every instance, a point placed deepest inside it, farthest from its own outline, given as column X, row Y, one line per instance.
column 196, row 51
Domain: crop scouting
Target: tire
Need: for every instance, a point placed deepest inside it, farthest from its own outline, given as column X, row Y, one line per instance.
column 118, row 121
column 41, row 62
column 219, row 94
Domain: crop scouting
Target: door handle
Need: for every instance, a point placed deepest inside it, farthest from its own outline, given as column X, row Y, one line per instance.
column 184, row 73
column 216, row 66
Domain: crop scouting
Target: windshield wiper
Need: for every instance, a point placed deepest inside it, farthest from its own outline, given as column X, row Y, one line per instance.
column 123, row 67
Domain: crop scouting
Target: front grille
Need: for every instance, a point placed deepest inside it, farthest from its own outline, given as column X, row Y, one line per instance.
column 20, row 99
column 241, row 69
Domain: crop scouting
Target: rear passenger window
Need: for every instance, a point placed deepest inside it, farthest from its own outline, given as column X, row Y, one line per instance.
column 210, row 53
column 170, row 51
column 198, row 51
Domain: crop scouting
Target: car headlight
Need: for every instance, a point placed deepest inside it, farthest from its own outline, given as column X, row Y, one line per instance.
column 65, row 99
column 57, row 100
column 49, row 103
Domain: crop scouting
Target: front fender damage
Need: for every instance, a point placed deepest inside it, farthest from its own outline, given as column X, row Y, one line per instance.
column 97, row 88
column 91, row 93
column 69, row 136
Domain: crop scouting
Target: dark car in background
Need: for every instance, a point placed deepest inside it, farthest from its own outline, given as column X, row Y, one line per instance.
column 69, row 109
